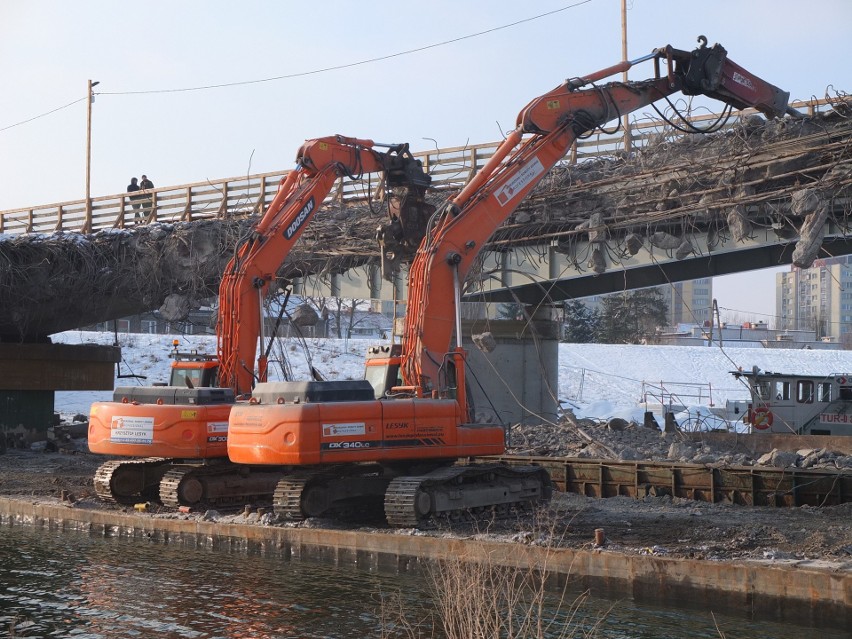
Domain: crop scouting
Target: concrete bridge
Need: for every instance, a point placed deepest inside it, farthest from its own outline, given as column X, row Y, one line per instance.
column 676, row 207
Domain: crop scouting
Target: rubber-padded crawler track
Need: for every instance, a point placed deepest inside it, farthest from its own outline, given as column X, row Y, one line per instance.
column 172, row 493
column 108, row 472
column 403, row 504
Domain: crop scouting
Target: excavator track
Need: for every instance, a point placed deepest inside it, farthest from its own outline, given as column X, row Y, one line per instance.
column 287, row 499
column 126, row 481
column 343, row 491
column 175, row 484
column 221, row 485
column 171, row 492
column 411, row 501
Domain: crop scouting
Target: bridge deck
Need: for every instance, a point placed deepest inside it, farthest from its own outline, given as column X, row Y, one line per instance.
column 450, row 168
column 683, row 208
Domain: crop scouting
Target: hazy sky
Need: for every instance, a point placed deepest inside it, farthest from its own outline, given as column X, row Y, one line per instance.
column 143, row 54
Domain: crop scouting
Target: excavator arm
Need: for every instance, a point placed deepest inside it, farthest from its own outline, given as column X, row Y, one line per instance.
column 546, row 129
column 247, row 277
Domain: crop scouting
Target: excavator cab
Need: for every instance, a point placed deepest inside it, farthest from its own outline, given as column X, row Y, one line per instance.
column 194, row 374
column 193, row 369
column 382, row 369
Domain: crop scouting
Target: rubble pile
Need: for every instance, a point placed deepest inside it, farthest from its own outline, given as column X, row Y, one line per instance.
column 621, row 440
column 805, row 458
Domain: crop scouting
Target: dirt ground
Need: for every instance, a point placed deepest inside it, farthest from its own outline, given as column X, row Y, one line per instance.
column 654, row 525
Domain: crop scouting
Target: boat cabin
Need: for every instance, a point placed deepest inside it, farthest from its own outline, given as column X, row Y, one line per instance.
column 798, row 404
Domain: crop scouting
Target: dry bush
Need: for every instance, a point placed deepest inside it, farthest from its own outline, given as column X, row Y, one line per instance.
column 474, row 596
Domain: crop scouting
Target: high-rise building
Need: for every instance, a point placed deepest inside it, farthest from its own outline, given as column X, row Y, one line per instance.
column 817, row 298
column 689, row 302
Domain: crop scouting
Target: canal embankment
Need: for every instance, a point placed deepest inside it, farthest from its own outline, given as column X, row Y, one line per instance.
column 785, row 588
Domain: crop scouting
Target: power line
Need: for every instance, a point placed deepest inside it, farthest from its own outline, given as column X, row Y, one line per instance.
column 314, row 71
column 349, row 65
column 36, row 117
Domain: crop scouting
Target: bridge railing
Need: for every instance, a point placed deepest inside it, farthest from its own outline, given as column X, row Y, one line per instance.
column 451, row 168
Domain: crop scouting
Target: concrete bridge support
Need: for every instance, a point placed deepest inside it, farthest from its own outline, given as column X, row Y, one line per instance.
column 31, row 373
column 517, row 382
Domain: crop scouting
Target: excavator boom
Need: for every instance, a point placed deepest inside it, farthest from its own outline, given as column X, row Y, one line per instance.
column 546, row 129
column 320, row 163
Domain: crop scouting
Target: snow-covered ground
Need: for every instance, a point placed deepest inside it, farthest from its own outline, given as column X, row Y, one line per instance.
column 595, row 380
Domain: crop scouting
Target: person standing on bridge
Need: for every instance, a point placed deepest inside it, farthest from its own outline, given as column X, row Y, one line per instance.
column 146, row 184
column 134, row 199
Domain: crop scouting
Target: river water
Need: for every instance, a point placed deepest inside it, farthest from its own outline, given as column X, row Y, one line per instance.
column 73, row 584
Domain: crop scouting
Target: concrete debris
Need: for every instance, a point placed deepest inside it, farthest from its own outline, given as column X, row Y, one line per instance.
column 629, row 454
column 630, row 441
column 738, row 222
column 633, row 242
column 805, row 202
column 681, row 451
column 808, row 202
column 684, row 250
column 779, row 459
column 484, row 341
column 597, row 261
column 175, row 307
column 664, row 241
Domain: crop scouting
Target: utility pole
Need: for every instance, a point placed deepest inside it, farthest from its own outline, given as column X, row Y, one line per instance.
column 628, row 143
column 87, row 227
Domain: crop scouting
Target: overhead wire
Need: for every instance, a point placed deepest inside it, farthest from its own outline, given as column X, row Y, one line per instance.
column 357, row 63
column 300, row 74
column 41, row 115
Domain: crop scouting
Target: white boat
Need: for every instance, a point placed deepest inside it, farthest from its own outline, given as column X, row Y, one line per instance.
column 798, row 404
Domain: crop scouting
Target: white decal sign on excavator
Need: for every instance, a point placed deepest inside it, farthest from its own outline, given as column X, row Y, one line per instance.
column 523, row 177
column 339, row 430
column 131, row 430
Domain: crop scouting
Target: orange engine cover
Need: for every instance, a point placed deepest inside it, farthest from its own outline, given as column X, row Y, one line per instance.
column 337, row 432
column 153, row 430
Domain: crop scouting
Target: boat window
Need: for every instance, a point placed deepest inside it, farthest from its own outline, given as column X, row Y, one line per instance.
column 824, row 392
column 782, row 391
column 846, row 392
column 805, row 391
column 763, row 390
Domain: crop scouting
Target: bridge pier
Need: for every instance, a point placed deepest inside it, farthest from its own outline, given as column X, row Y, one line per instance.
column 31, row 373
column 517, row 382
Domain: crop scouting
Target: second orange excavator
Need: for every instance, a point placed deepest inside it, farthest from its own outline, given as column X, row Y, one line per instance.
column 397, row 441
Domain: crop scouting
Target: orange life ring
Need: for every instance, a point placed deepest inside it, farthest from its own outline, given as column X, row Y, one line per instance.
column 762, row 418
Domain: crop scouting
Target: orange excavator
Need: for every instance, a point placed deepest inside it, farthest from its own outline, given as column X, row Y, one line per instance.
column 398, row 440
column 176, row 435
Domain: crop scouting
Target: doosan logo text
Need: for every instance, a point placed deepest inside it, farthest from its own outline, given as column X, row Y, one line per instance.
column 300, row 219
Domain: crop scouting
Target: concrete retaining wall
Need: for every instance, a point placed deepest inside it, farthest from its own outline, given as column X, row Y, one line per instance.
column 806, row 592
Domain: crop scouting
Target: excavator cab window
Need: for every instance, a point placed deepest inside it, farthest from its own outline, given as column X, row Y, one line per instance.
column 194, row 377
column 383, row 377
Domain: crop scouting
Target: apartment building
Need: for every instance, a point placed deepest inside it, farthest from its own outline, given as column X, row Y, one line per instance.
column 689, row 302
column 817, row 298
